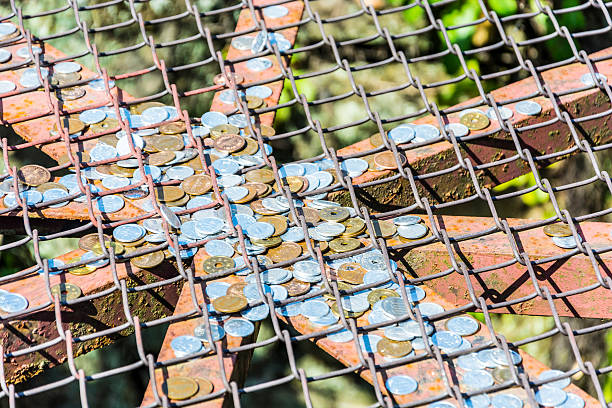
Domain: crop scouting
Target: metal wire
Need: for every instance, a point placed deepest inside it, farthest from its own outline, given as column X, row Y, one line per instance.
column 144, row 22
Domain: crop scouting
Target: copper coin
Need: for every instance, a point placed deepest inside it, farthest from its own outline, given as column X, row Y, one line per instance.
column 160, row 158
column 259, row 208
column 259, row 176
column 266, row 131
column 384, row 228
column 180, row 202
column 229, row 304
column 33, row 175
column 180, row 388
column 351, row 272
column 294, row 183
column 475, row 120
column 229, row 143
column 557, row 230
column 173, row 128
column 394, row 349
column 296, row 288
column 149, row 260
column 219, row 79
column 121, row 171
column 195, row 163
column 168, row 193
column 386, row 160
column 277, row 221
column 197, row 184
column 205, row 386
column 285, row 252
column 261, row 188
column 49, row 185
column 250, row 148
column 167, row 143
column 311, row 215
column 87, row 242
column 249, row 197
column 237, row 289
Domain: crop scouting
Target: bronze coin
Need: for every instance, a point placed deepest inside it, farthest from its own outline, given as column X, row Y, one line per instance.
column 250, row 148
column 277, row 221
column 138, row 108
column 219, row 79
column 295, row 183
column 64, row 79
column 104, row 169
column 335, row 214
column 33, row 175
column 285, row 252
column 205, row 387
column 49, row 185
column 168, row 193
column 160, row 158
column 261, row 188
column 393, row 349
column 386, row 160
column 121, row 171
column 249, row 197
column 296, row 288
column 173, row 128
column 110, row 140
column 266, row 131
column 254, row 102
column 180, row 202
column 344, row 244
column 180, row 388
column 376, row 140
column 347, row 314
column 475, row 120
column 229, row 143
column 195, row 164
column 351, row 272
column 197, row 184
column 311, row 216
column 384, row 228
column 268, row 242
column 149, row 260
column 237, row 289
column 221, row 130
column 259, row 176
column 229, row 304
column 216, row 264
column 167, row 143
column 118, row 249
column 557, row 230
column 343, row 288
column 105, row 126
column 87, row 242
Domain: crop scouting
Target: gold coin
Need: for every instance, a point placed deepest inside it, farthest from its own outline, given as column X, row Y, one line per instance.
column 66, row 291
column 285, row 252
column 259, row 176
column 148, row 261
column 296, row 288
column 261, row 188
column 344, row 244
column 394, row 349
column 237, row 289
column 81, row 157
column 323, row 246
column 384, row 228
column 160, row 158
column 180, row 202
column 475, row 120
column 105, row 126
column 249, row 197
column 380, row 293
column 180, row 388
column 73, row 126
column 197, row 184
column 221, row 130
column 386, row 160
column 167, row 143
column 254, row 102
column 168, row 193
column 295, row 183
column 311, row 216
column 82, row 270
column 266, row 131
column 259, row 208
column 205, row 387
column 557, row 230
column 268, row 242
column 335, row 214
column 138, row 108
column 229, row 304
column 118, row 249
column 376, row 140
column 104, row 169
column 351, row 272
column 49, row 185
column 229, row 143
column 216, row 264
column 343, row 288
column 130, row 246
column 354, row 227
column 277, row 221
column 173, row 128
column 33, row 175
column 195, row 163
column 250, row 148
column 347, row 314
column 87, row 242
column 121, row 171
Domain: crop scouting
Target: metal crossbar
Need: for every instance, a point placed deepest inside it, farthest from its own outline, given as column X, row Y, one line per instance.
column 489, row 264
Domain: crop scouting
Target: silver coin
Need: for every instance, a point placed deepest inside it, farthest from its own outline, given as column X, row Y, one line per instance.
column 66, row 67
column 226, row 166
column 212, row 119
column 102, row 151
column 256, row 313
column 402, row 134
column 261, row 91
column 99, row 84
column 572, row 401
column 109, row 203
column 477, row 379
column 29, row 81
column 354, row 167
column 239, row 327
column 458, row 129
column 275, row 276
column 289, row 310
column 154, row 114
column 562, row 383
column 588, row 80
column 425, row 132
column 506, row 401
column 242, row 43
column 275, row 11
column 330, row 229
column 326, row 320
column 7, row 86
column 7, row 29
column 259, row 64
column 398, row 333
column 259, row 42
column 113, row 182
column 414, row 231
column 401, row 385
column 463, row 325
column 92, row 116
column 478, row 401
column 470, row 362
column 260, row 230
column 485, row 356
column 219, row 248
column 54, row 194
column 446, row 340
column 13, row 302
column 550, row 396
column 185, row 345
column 293, row 234
column 355, row 304
column 251, row 291
column 529, row 108
column 179, row 172
column 216, row 289
column 498, row 356
column 342, row 336
column 368, row 342
column 441, row 404
column 89, row 255
column 171, row 218
column 24, row 52
column 394, row 307
column 429, row 309
column 566, row 242
column 505, row 113
column 217, row 332
column 313, row 309
column 279, row 293
column 123, row 144
column 129, row 232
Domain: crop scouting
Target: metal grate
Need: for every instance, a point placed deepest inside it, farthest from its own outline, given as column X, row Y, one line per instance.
column 464, row 264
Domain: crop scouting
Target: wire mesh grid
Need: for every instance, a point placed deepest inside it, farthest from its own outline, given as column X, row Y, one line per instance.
column 441, row 172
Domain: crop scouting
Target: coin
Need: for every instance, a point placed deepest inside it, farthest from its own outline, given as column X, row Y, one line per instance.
column 354, row 227
column 250, row 195
column 121, row 171
column 219, row 79
column 118, row 249
column 336, row 214
column 236, row 289
column 393, row 349
column 168, row 143
column 384, row 228
column 475, row 120
column 71, row 93
column 296, row 288
column 180, row 388
column 347, row 314
column 216, row 264
column 82, row 157
column 229, row 143
column 380, row 293
column 149, row 260
column 197, row 184
column 386, row 160
column 229, row 304
column 259, row 208
column 261, row 189
column 160, row 158
column 259, row 176
column 51, row 185
column 266, row 131
column 295, row 183
column 268, row 242
column 104, row 126
column 285, row 252
column 173, row 128
column 557, row 230
column 168, row 193
column 138, row 108
column 311, row 215
column 351, row 272
column 33, row 175
column 82, row 270
column 250, row 148
column 66, row 291
column 344, row 244
column 277, row 221
column 205, row 387
column 87, row 242
column 254, row 102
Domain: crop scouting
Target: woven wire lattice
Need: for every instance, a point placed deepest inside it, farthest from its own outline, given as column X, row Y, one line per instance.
column 441, row 174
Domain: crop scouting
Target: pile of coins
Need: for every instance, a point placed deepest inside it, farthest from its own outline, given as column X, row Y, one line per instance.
column 561, row 236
